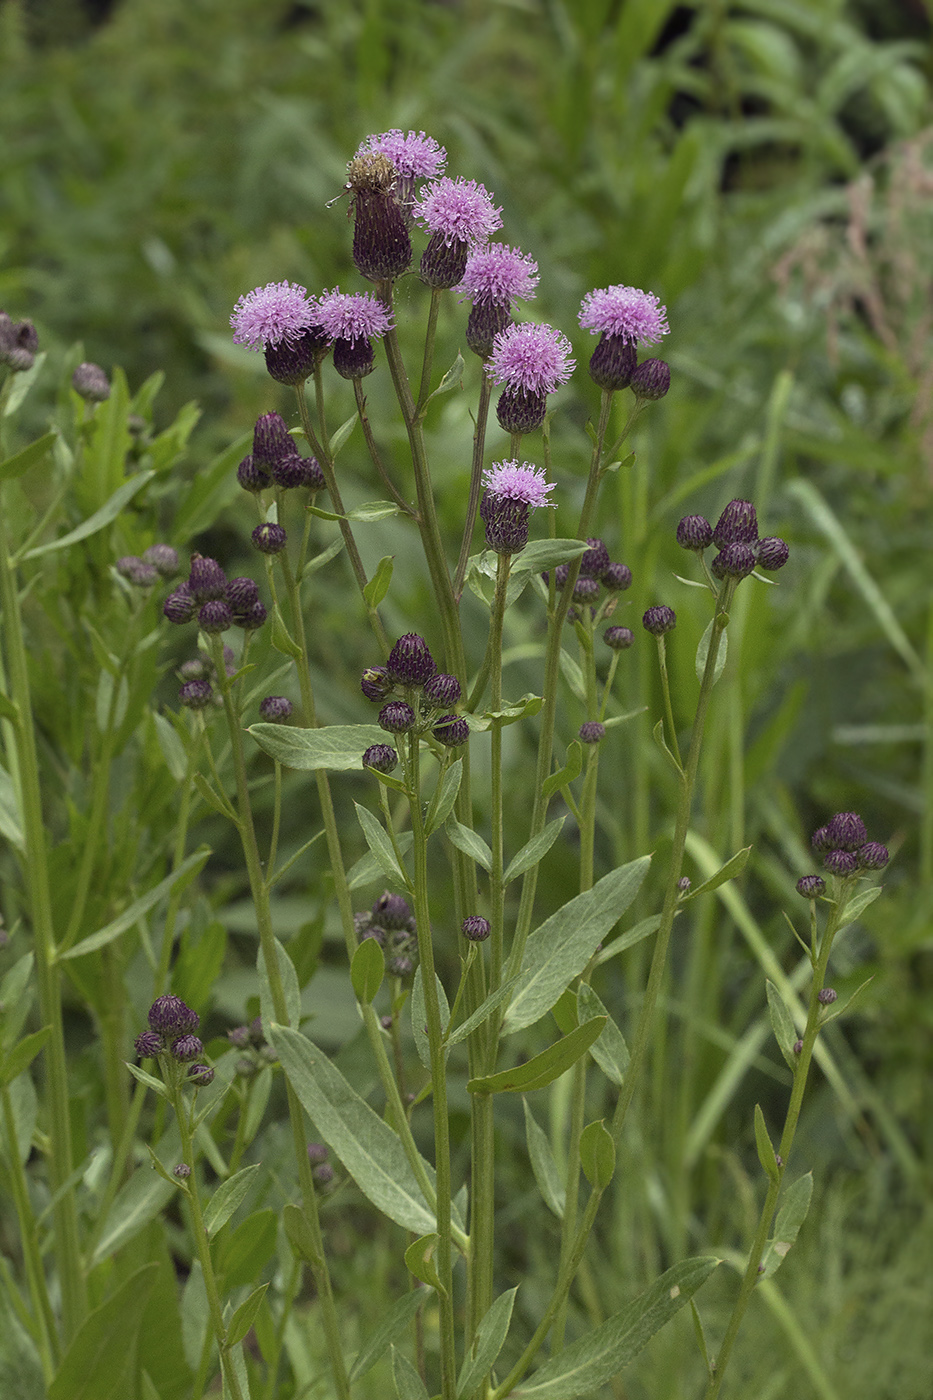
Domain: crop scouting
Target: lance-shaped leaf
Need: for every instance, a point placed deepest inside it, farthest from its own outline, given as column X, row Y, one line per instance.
column 419, row 1258
column 289, row 979
column 408, row 1384
column 560, row 948
column 23, row 1054
column 336, row 747
column 392, row 1326
column 378, row 585
column 782, row 1025
column 22, row 460
column 130, row 916
column 766, row 1154
column 585, row 1365
column 571, row 770
column 484, row 1010
column 378, row 841
column 227, row 1197
column 490, row 1336
column 99, row 520
column 703, row 653
column 364, row 1142
column 534, row 850
column 245, row 1315
column 95, row 1365
column 610, row 1051
column 790, row 1217
column 470, row 843
column 419, row 1016
column 542, row 1069
column 367, row 970
column 729, row 871
column 543, row 1165
column 443, row 802
column 597, row 1155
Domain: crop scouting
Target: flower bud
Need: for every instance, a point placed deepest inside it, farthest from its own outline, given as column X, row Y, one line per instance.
column 170, row 1016
column 659, row 620
column 396, row 717
column 618, row 638
column 451, row 730
column 613, row 363
column 179, row 607
column 475, row 928
column 376, row 683
column 382, row 757
column 392, row 911
column 617, row 577
column 695, row 532
column 182, row 1171
column 738, row 524
column 251, row 475
column 410, row 662
column 214, row 616
column 148, row 1045
column 442, row 690
column 651, row 380
column 196, row 695
column 275, row 709
column 846, row 831
column 521, row 410
column 269, row 538
column 772, row 553
column 840, row 863
column 201, row 1075
column 591, row 732
column 872, row 856
column 162, row 557
column 187, row 1047
column 91, row 383
column 826, row 996
column 811, row 886
column 736, row 560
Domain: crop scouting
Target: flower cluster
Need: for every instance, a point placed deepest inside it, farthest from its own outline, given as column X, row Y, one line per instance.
column 735, row 535
column 846, row 850
column 256, row 1053
column 19, row 342
column 158, row 561
column 411, row 671
column 392, row 924
column 218, row 602
column 275, row 459
column 597, row 574
column 171, row 1039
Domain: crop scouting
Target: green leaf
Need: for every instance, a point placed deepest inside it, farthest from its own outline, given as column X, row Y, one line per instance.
column 367, row 970
column 315, row 564
column 599, row 1355
column 392, row 1326
column 597, row 1155
column 378, row 585
column 534, row 850
column 27, row 456
column 572, row 672
column 131, row 916
column 99, row 520
column 378, row 842
column 842, row 1007
column 419, row 1015
column 451, row 380
column 23, row 1054
column 610, row 1051
column 484, row 1010
column 658, row 735
column 367, row 868
column 781, row 1023
column 488, row 1342
column 364, row 1142
column 703, row 653
column 242, row 1255
column 470, row 843
column 571, row 770
column 139, row 1200
column 96, row 1363
column 372, row 511
column 210, row 487
column 227, row 1197
column 510, row 713
column 408, row 1384
column 419, row 1258
column 150, row 1081
column 729, row 871
column 790, row 1217
column 336, row 747
column 542, row 1069
column 340, row 436
column 562, row 946
column 19, row 384
column 173, row 750
column 290, row 988
column 766, row 1155
column 857, row 905
column 300, row 1235
column 245, row 1315
column 440, row 810
column 16, row 995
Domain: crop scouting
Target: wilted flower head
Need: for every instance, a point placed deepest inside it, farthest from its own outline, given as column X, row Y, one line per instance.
column 634, row 316
column 273, row 315
column 381, row 242
column 533, row 359
column 415, row 157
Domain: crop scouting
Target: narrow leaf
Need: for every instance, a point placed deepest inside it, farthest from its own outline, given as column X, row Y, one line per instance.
column 185, row 872
column 703, row 653
column 149, row 1080
column 610, row 1051
column 290, row 988
column 378, row 842
column 765, row 1146
column 99, row 520
column 96, row 1362
column 658, row 735
column 729, row 871
column 542, row 1069
column 790, row 1217
column 22, row 460
column 562, row 946
column 441, row 809
column 571, row 770
column 214, row 799
column 340, row 436
column 597, row 1155
column 245, row 1315
column 782, row 1025
column 367, row 970
column 419, row 1259
column 378, row 585
column 470, row 843
column 643, row 929
column 534, row 850
column 227, row 1197
column 419, row 1015
column 299, row 1233
column 389, row 1330
column 488, row 1342
column 484, row 1010
column 599, row 1355
column 843, row 1006
column 23, row 1054
column 858, row 905
column 408, row 1384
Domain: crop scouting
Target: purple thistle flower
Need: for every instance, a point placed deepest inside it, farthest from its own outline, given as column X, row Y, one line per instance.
column 272, row 315
column 415, row 157
column 459, row 210
column 498, row 275
column 525, row 483
column 530, row 358
column 351, row 319
column 633, row 316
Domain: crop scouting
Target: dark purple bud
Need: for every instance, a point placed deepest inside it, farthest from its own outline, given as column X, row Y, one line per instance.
column 586, row 590
column 317, row 1153
column 382, row 757
column 618, row 638
column 613, row 362
column 506, row 522
column 396, row 717
column 252, row 617
column 170, row 1016
column 840, row 863
column 292, row 362
column 311, row 474
column 272, row 441
column 475, row 928
column 162, row 557
column 738, row 524
column 400, row 966
column 451, row 730
column 821, row 840
column 251, row 476
column 872, row 856
column 826, row 996
column 520, row 410
column 561, row 575
column 443, row 265
column 206, row 579
column 148, row 1045
column 182, row 1171
column 373, row 931
column 659, row 620
column 594, row 561
column 442, row 690
column 269, row 538
column 180, row 605
column 324, row 1174
column 196, row 695
column 486, row 320
column 275, row 709
column 683, row 884
column 91, row 383
column 239, row 1037
column 187, row 1047
column 391, row 910
column 381, row 242
column 591, row 732
column 811, row 886
column 798, row 1046
column 772, row 553
column 137, row 571
column 617, row 577
column 289, row 472
column 201, row 1075
column 734, row 561
column 651, row 379
column 386, row 1022
column 846, row 831
column 376, row 683
column 695, row 532
column 410, row 662
column 241, row 593
column 215, row 616
column 354, row 359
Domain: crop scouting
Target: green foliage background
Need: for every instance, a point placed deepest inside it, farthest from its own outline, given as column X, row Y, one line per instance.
column 164, row 160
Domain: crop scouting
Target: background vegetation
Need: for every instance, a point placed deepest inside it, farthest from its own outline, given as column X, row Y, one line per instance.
column 764, row 167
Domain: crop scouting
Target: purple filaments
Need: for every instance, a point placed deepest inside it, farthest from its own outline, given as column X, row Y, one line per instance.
column 352, row 315
column 631, row 315
column 498, row 275
column 531, row 359
column 524, row 483
column 272, row 315
column 414, row 156
column 460, row 210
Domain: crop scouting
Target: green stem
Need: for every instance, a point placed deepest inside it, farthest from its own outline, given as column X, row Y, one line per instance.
column 43, row 1317
column 374, row 451
column 427, row 362
column 476, row 481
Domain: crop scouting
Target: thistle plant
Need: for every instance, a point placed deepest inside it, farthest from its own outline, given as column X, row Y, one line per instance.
column 454, row 958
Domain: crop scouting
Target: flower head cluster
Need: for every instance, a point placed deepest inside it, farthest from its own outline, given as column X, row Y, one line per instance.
column 256, row 1053
column 19, row 342
column 218, row 603
column 411, row 670
column 171, row 1039
column 597, row 572
column 846, row 850
column 735, row 534
column 391, row 923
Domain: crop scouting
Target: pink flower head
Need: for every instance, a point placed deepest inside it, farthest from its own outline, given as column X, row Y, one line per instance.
column 458, row 209
column 272, row 315
column 494, row 276
column 414, row 156
column 351, row 315
column 635, row 317
column 530, row 358
column 524, row 483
